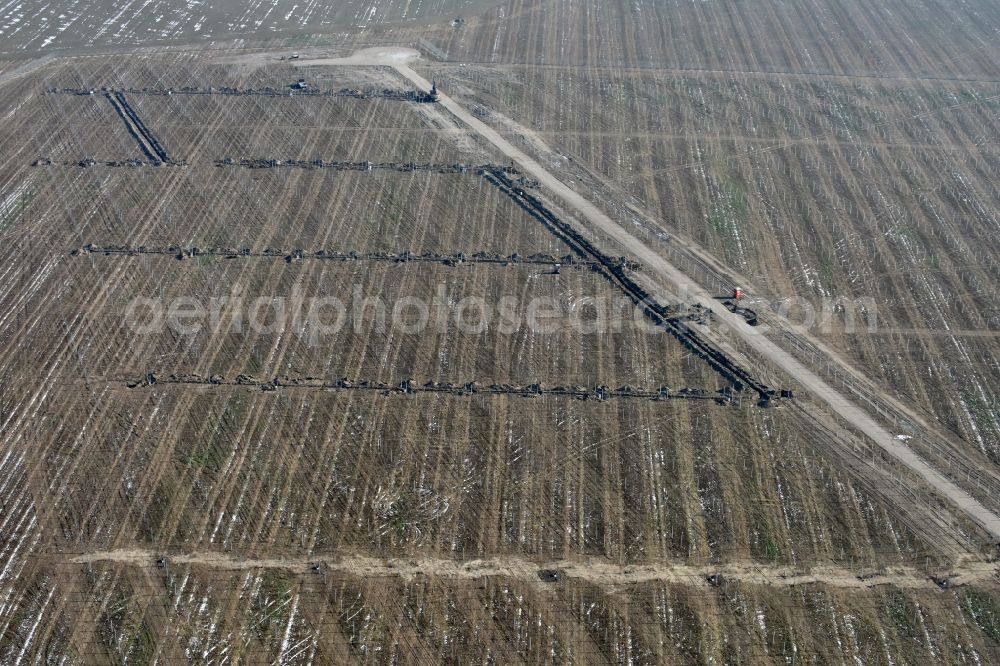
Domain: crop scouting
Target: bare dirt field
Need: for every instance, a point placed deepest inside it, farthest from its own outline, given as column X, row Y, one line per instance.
column 89, row 23
column 244, row 483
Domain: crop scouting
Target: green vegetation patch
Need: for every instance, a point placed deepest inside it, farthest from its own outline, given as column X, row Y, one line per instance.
column 728, row 214
column 903, row 613
column 984, row 610
column 127, row 635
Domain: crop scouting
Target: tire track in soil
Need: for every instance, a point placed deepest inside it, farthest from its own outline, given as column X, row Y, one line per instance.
column 278, row 496
column 161, row 456
column 330, row 450
column 97, row 303
column 163, row 452
column 356, row 148
column 223, row 492
column 334, row 442
column 227, row 495
column 56, row 360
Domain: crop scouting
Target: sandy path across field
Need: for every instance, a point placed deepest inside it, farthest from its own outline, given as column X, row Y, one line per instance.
column 593, row 570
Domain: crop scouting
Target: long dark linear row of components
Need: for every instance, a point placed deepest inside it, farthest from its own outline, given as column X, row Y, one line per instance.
column 91, row 162
column 674, row 320
column 409, row 386
column 267, row 91
column 453, row 259
column 148, row 143
column 423, row 167
column 268, row 163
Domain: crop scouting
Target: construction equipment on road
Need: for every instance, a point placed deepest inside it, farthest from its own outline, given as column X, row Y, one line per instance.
column 732, row 303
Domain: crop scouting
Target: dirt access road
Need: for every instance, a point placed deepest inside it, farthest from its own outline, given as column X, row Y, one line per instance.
column 597, row 571
column 809, row 380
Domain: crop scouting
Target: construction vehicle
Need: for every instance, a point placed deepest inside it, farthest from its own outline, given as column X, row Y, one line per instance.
column 732, row 303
